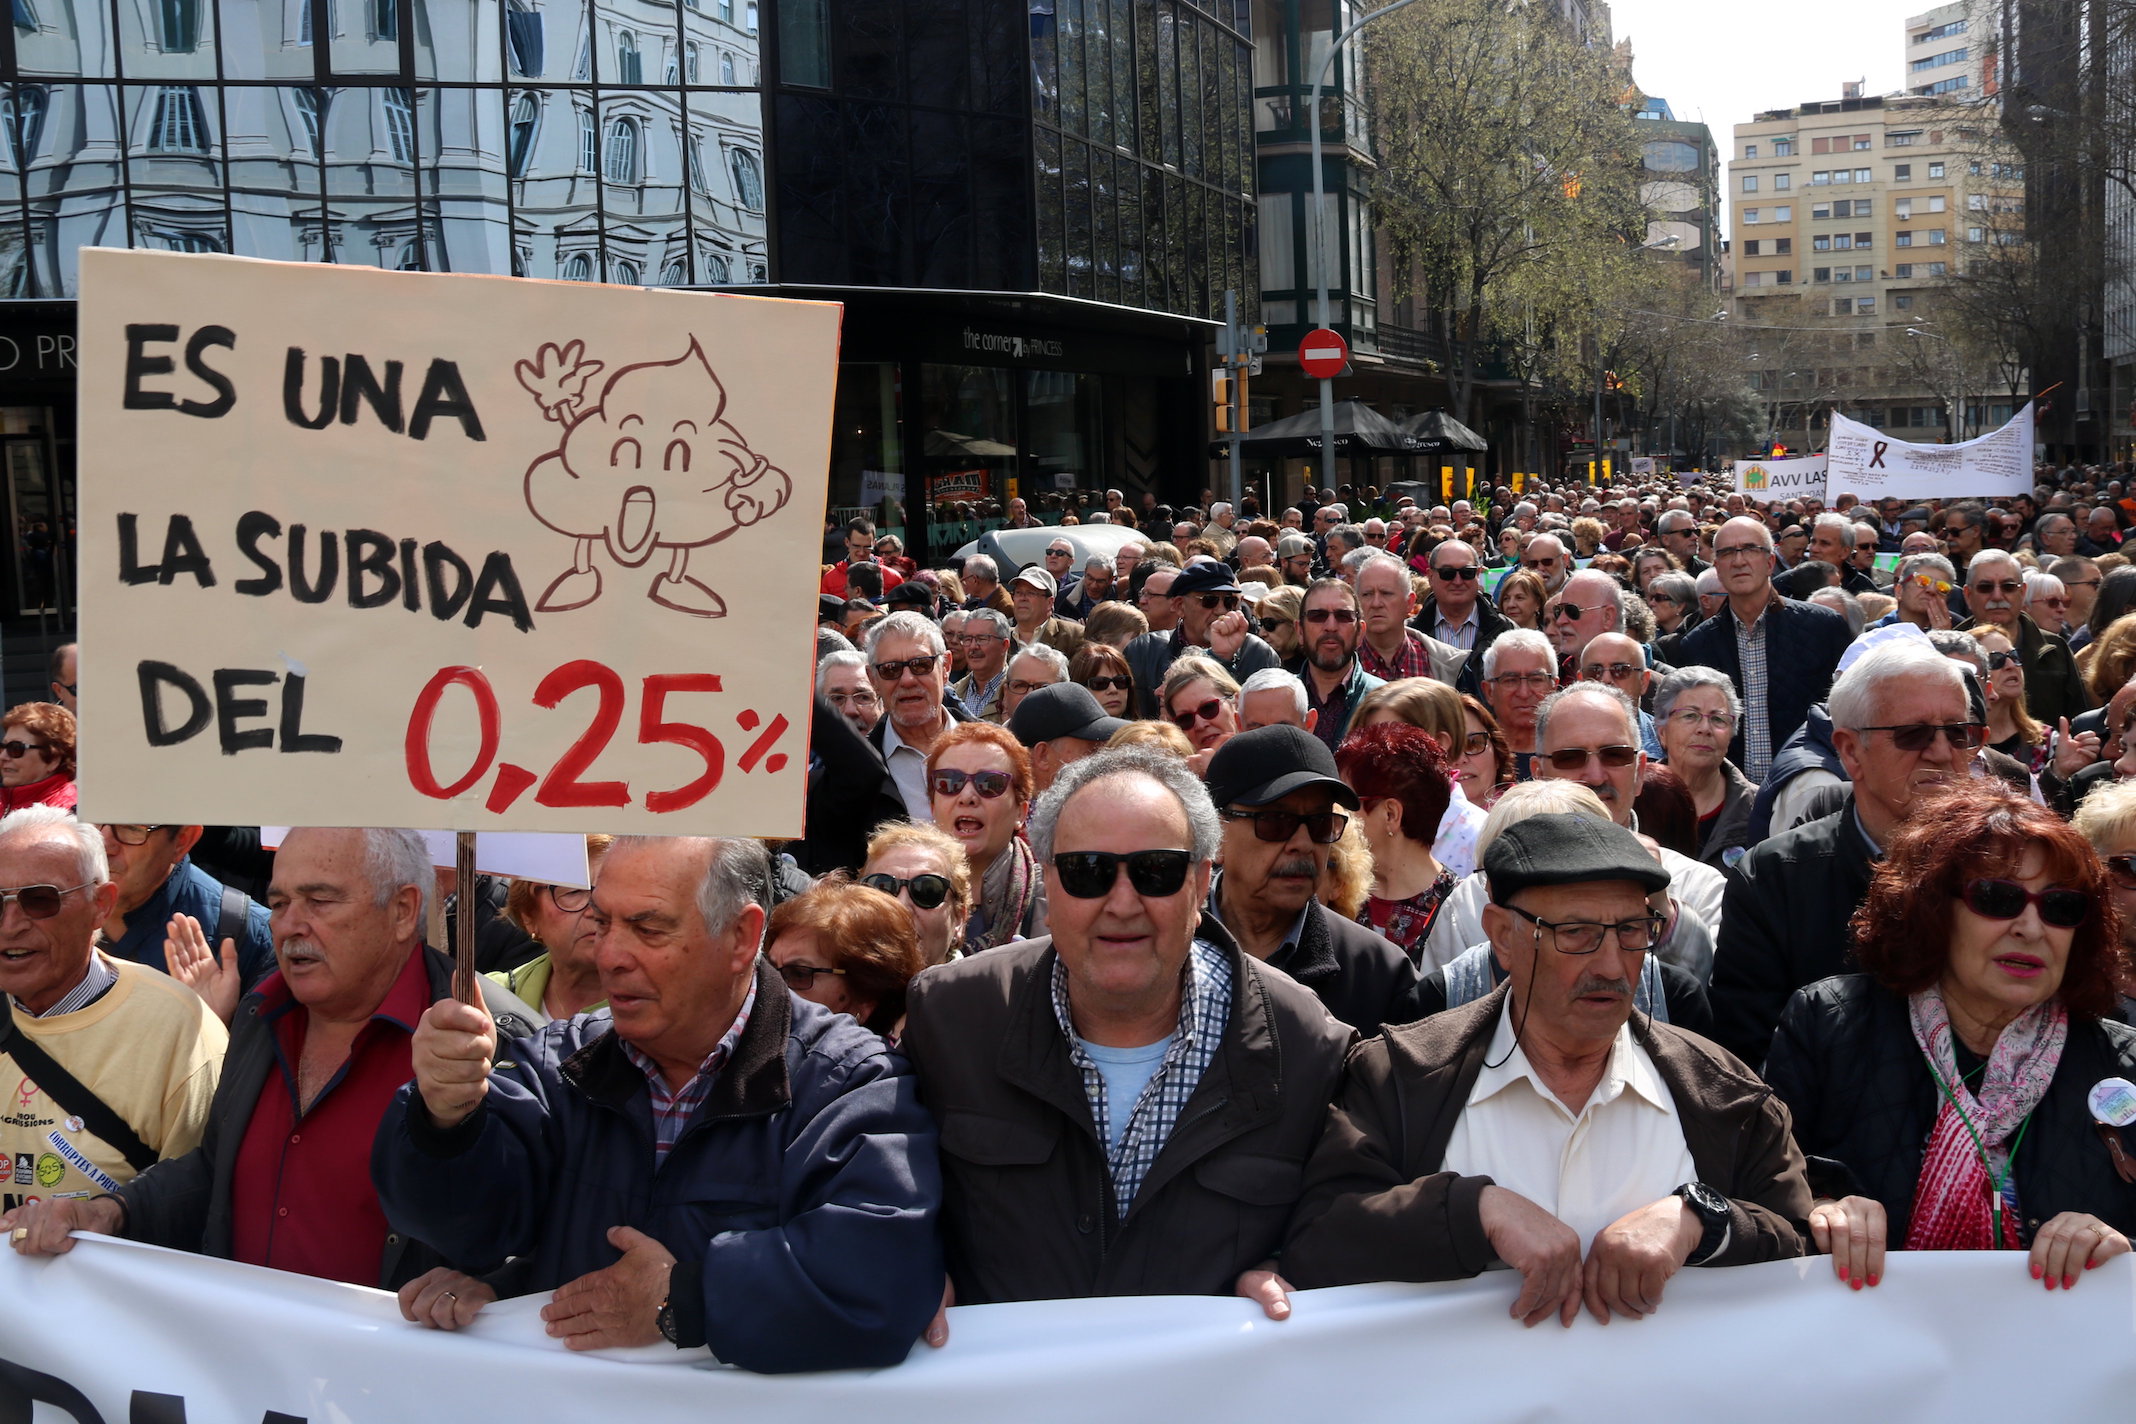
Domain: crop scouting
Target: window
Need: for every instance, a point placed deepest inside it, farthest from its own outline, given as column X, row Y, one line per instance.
column 1903, row 208
column 1820, row 178
column 630, row 69
column 1864, row 206
column 385, row 19
column 1902, row 302
column 1787, row 278
column 1902, row 239
column 179, row 124
column 1937, row 61
column 749, row 17
column 1842, row 274
column 1976, row 202
column 1750, row 184
column 1937, row 269
column 1668, row 155
column 578, row 267
column 1784, row 213
column 589, row 143
column 1902, row 172
column 675, row 276
column 1820, row 145
column 726, row 67
column 1902, row 140
column 1783, row 246
column 307, row 104
column 674, row 67
column 1782, row 182
column 1935, row 170
column 1842, row 242
column 717, row 272
column 693, row 157
column 1820, row 274
column 1861, row 142
column 1904, row 273
column 689, row 61
column 1822, row 242
column 1935, row 237
column 1936, row 203
column 1842, row 175
column 1863, row 241
column 1820, row 211
column 1940, row 32
column 1842, row 306
column 1750, row 248
column 726, row 11
column 411, row 259
column 627, row 273
column 1976, row 234
column 623, row 151
column 522, row 28
column 1864, row 175
column 178, row 27
column 1750, row 215
column 748, row 173
column 399, row 107
column 1946, row 86
column 1750, row 150
column 1783, row 148
column 1865, row 273
column 1865, row 306
column 526, row 117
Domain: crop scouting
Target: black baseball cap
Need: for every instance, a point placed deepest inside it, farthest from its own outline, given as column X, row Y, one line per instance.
column 1062, row 709
column 1567, row 848
column 1269, row 763
column 1204, row 578
column 831, row 606
column 911, row 593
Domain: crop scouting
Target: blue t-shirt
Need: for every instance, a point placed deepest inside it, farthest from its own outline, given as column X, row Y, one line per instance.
column 1127, row 1071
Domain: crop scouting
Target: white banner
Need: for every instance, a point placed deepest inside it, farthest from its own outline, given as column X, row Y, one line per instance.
column 1868, row 463
column 112, row 1332
column 373, row 548
column 1800, row 478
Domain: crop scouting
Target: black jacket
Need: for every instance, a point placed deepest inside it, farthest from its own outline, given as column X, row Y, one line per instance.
column 1803, row 644
column 850, row 790
column 1363, row 977
column 1489, row 624
column 1028, row 1209
column 1846, row 1064
column 1784, row 924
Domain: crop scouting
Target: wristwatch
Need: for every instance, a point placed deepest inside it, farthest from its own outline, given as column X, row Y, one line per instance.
column 665, row 1319
column 1712, row 1209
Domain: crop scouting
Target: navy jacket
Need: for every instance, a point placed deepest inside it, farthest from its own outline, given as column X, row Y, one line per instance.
column 800, row 1202
column 189, row 890
column 1803, row 644
column 1809, row 749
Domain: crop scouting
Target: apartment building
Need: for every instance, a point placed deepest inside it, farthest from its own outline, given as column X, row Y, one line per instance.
column 1951, row 51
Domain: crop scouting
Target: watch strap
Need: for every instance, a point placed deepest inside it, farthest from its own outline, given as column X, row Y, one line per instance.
column 1714, row 1220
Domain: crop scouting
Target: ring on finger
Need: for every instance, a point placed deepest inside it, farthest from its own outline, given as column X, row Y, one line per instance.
column 451, row 1297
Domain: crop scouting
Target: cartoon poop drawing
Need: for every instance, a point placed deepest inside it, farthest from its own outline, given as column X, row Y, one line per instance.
column 650, row 466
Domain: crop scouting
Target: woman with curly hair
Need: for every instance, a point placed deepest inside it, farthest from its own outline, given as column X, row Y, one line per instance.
column 1945, row 1097
column 37, row 757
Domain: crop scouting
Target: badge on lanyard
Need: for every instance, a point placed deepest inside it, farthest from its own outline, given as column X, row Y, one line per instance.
column 2113, row 1106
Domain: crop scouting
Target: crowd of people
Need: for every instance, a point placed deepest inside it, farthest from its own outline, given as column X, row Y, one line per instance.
column 1587, row 884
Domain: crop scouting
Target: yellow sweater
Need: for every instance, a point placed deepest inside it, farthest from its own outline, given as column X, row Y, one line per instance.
column 149, row 1048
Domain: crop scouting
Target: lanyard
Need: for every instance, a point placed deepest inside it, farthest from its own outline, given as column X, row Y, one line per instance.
column 1996, row 1184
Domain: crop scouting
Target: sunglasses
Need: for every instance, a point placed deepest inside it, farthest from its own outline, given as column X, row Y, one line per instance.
column 1596, row 672
column 1118, row 683
column 1454, row 572
column 1570, row 759
column 928, row 890
column 990, row 784
column 1338, row 615
column 803, row 976
column 1991, row 586
column 1091, row 874
column 16, row 749
column 1475, row 743
column 39, row 902
column 1217, row 600
column 2006, row 900
column 1574, row 610
column 2123, row 869
column 1277, row 827
column 1998, row 661
column 1933, row 585
column 1538, row 563
column 918, row 667
column 1920, row 736
column 1204, row 713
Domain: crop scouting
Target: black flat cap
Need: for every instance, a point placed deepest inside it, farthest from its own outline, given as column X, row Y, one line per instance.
column 1569, row 848
column 1269, row 763
column 1063, row 709
column 1204, row 578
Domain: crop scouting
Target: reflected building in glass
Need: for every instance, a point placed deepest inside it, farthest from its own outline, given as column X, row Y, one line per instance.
column 1030, row 210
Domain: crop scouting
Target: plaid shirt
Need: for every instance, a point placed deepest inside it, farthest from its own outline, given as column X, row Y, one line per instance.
column 1413, row 661
column 672, row 1110
column 1757, row 724
column 1204, row 1010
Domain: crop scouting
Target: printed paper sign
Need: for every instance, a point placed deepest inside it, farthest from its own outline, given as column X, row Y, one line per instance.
column 1802, row 478
column 1869, row 463
column 366, row 548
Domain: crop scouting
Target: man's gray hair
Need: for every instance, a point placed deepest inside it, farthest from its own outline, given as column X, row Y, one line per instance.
column 1219, row 509
column 1991, row 556
column 2039, row 585
column 736, row 873
column 1350, row 534
column 1677, row 683
column 1525, row 507
column 1354, row 560
column 829, row 640
column 834, row 661
column 916, row 626
column 1340, row 511
column 1272, row 680
column 982, row 566
column 393, row 858
column 88, row 842
column 1709, row 582
column 1845, row 604
column 2072, row 566
column 1960, row 646
column 993, row 619
column 1934, row 563
column 1373, row 558
column 1164, row 768
column 1097, row 561
column 1841, row 526
column 2050, row 522
column 1859, row 691
column 1518, row 640
column 1047, row 654
column 1550, row 704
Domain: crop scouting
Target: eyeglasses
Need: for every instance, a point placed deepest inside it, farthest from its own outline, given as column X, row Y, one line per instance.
column 1022, row 687
column 1091, row 874
column 1117, row 683
column 570, row 899
column 803, row 976
column 2050, row 602
column 1932, row 584
column 131, row 835
column 2123, row 869
column 1277, row 827
column 2066, row 583
column 39, row 902
column 918, row 667
column 1324, row 615
column 1217, row 600
column 1690, row 717
column 16, row 749
column 1743, row 551
column 1574, row 610
column 1570, row 759
column 928, row 890
column 1206, row 712
column 1533, row 681
column 1993, row 899
column 990, row 784
column 1660, row 598
column 2006, row 586
column 1585, row 936
column 1920, row 736
column 979, row 639
column 1613, row 672
column 859, row 697
column 1453, row 572
column 1475, row 743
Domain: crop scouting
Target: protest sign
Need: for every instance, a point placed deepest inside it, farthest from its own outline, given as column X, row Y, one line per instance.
column 374, row 548
column 1802, row 478
column 1873, row 466
column 114, row 1331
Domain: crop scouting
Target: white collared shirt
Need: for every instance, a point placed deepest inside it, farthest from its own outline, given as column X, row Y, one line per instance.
column 1623, row 1150
column 908, row 768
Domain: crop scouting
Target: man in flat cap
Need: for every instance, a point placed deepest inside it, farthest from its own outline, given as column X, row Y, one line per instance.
column 1545, row 1127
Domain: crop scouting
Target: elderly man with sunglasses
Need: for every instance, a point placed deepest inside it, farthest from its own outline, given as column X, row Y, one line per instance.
column 1126, row 1105
column 1901, row 721
column 1283, row 806
column 1210, row 618
column 1547, row 1127
column 1994, row 597
column 1457, row 612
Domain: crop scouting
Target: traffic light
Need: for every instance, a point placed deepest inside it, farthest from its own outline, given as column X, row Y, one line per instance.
column 1220, row 381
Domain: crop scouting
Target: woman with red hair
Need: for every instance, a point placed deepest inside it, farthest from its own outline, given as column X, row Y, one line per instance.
column 979, row 783
column 37, row 757
column 1400, row 774
column 1966, row 1092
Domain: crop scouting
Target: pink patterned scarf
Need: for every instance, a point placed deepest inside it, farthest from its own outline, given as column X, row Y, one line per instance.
column 1969, row 1148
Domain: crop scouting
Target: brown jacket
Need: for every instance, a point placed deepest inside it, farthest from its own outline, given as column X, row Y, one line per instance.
column 1378, row 1208
column 1028, row 1211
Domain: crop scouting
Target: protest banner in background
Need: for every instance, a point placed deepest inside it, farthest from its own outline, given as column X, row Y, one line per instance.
column 114, row 1331
column 1873, row 466
column 1802, row 478
column 372, row 548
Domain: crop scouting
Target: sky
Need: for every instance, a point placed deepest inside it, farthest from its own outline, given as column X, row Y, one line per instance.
column 1720, row 62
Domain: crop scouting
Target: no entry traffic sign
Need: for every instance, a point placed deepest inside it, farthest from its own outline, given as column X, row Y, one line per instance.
column 1323, row 354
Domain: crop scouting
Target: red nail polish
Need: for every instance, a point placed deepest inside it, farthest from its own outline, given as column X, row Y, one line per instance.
column 2036, row 1272
column 1857, row 1285
column 2069, row 1281
column 1874, row 1278
column 2050, row 1282
column 1842, row 1272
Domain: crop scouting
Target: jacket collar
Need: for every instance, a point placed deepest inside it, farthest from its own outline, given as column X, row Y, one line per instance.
column 753, row 1084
